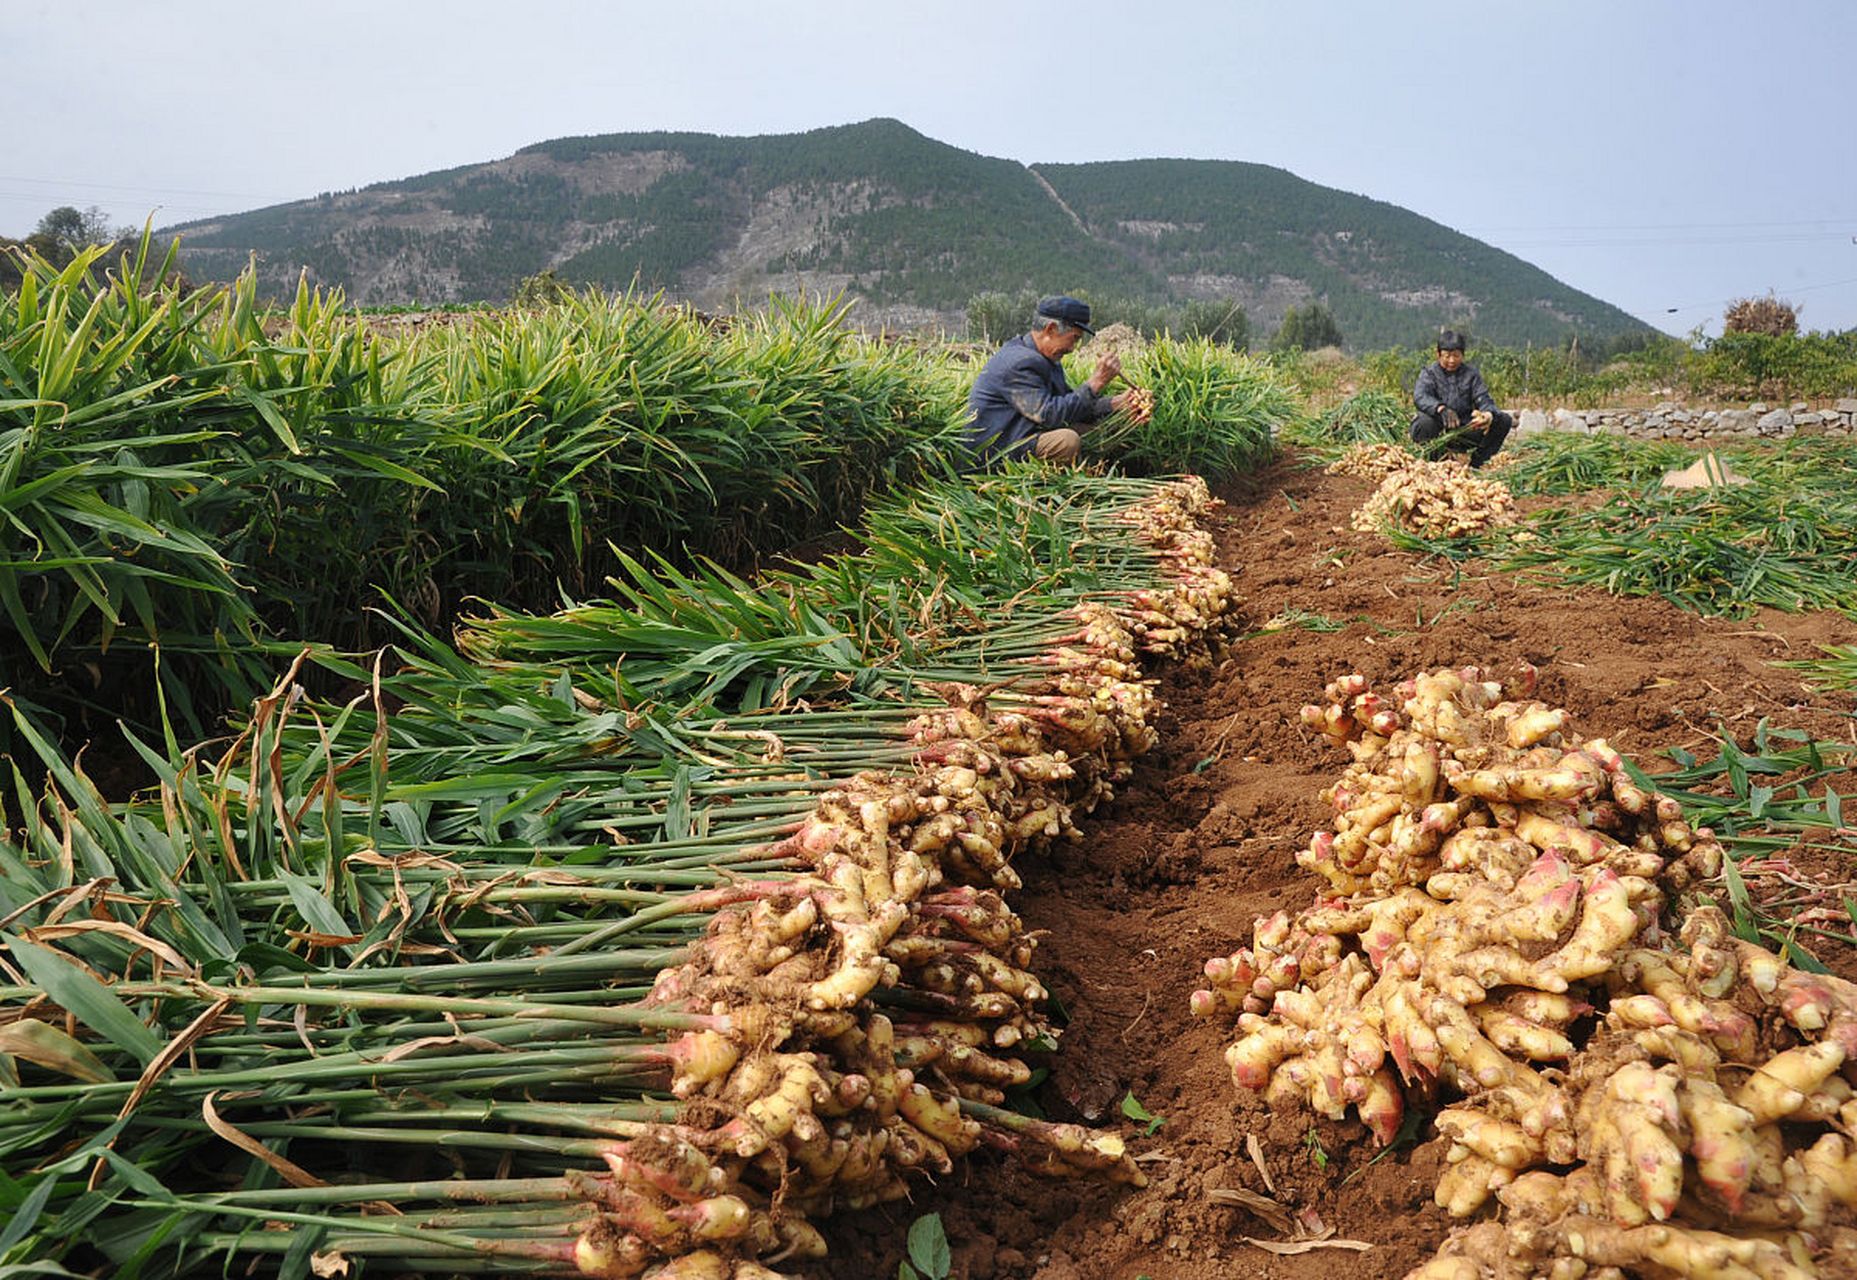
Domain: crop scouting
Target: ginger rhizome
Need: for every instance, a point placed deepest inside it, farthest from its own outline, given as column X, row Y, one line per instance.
column 1510, row 937
column 871, row 1012
column 1444, row 499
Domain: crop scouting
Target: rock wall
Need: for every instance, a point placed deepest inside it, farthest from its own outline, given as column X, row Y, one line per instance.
column 1670, row 421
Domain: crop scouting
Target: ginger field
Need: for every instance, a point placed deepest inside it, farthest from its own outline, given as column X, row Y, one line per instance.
column 668, row 818
column 1204, row 842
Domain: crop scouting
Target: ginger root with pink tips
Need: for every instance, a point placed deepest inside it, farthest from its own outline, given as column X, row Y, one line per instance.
column 1512, row 936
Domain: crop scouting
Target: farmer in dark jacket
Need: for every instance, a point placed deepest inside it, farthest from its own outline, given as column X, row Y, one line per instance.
column 1023, row 405
column 1456, row 411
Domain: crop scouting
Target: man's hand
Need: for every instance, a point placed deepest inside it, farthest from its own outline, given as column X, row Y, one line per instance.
column 1106, row 371
column 1448, row 416
column 1480, row 420
column 1136, row 403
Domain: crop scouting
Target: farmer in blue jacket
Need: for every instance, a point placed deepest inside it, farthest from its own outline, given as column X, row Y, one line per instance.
column 1023, row 405
column 1456, row 411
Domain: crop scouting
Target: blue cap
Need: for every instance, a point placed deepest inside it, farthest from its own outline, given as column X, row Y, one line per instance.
column 1068, row 310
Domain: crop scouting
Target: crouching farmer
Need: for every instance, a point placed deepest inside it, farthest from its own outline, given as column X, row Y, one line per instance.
column 1023, row 406
column 1456, row 412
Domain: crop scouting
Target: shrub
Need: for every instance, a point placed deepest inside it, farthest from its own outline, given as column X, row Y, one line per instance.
column 1765, row 364
column 1307, row 328
column 1219, row 320
column 993, row 316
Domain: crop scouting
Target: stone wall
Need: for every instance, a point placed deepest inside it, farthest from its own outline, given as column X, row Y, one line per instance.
column 1670, row 421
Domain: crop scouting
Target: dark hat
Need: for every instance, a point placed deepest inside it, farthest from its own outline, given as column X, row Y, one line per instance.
column 1450, row 340
column 1066, row 310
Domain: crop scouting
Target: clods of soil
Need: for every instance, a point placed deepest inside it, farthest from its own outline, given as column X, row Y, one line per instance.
column 1203, row 841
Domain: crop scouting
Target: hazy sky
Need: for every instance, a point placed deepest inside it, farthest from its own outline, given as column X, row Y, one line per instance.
column 1666, row 155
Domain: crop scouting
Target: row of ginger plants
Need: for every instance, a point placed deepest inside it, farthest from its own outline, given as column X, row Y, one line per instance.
column 566, row 960
column 197, row 482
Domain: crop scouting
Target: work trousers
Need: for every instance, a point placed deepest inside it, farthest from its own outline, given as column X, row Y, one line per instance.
column 1429, row 429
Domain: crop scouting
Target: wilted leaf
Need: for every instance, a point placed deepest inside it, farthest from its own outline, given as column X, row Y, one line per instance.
column 1287, row 1247
column 52, row 1049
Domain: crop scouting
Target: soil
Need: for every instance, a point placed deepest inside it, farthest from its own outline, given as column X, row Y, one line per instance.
column 1203, row 841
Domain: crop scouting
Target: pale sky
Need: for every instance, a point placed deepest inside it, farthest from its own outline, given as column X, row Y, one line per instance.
column 1665, row 155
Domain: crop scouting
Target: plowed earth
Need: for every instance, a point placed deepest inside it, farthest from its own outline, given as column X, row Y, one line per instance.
column 1203, row 841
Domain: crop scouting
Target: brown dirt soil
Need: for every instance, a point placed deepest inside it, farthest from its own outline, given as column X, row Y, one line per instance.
column 1203, row 841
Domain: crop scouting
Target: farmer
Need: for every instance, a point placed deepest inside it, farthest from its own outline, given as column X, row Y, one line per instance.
column 1023, row 405
column 1456, row 411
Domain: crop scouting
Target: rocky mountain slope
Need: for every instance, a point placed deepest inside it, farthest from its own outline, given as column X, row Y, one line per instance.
column 910, row 226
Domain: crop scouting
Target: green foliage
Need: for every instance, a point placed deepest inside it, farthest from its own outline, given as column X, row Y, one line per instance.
column 464, row 882
column 1787, row 540
column 993, row 316
column 1132, row 1108
column 1307, row 328
column 1836, row 670
column 1575, row 373
column 1220, row 320
column 1774, row 797
column 1746, row 365
column 929, row 1255
column 543, row 289
column 1558, row 464
column 199, row 487
column 71, row 229
column 1214, row 412
column 188, row 477
column 1371, row 417
column 111, row 431
column 1757, row 364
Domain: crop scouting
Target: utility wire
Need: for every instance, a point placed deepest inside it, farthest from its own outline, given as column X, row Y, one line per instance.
column 1722, row 302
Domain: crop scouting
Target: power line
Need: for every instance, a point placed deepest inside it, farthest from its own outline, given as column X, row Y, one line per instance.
column 1721, row 302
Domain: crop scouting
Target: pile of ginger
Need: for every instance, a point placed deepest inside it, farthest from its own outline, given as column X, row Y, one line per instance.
column 1512, row 939
column 1442, row 499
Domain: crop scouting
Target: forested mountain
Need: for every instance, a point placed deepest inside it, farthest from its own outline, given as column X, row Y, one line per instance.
column 911, row 226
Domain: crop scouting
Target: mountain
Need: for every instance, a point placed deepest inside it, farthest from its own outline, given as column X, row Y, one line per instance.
column 911, row 226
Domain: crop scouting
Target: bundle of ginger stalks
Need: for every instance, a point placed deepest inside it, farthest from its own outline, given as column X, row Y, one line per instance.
column 1443, row 499
column 846, row 992
column 1510, row 931
column 884, row 995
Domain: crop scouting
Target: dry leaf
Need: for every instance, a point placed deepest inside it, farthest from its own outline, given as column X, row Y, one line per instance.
column 1263, row 1206
column 1256, row 1151
column 316, row 939
column 426, row 1042
column 1288, row 1247
column 292, row 1173
column 116, row 928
